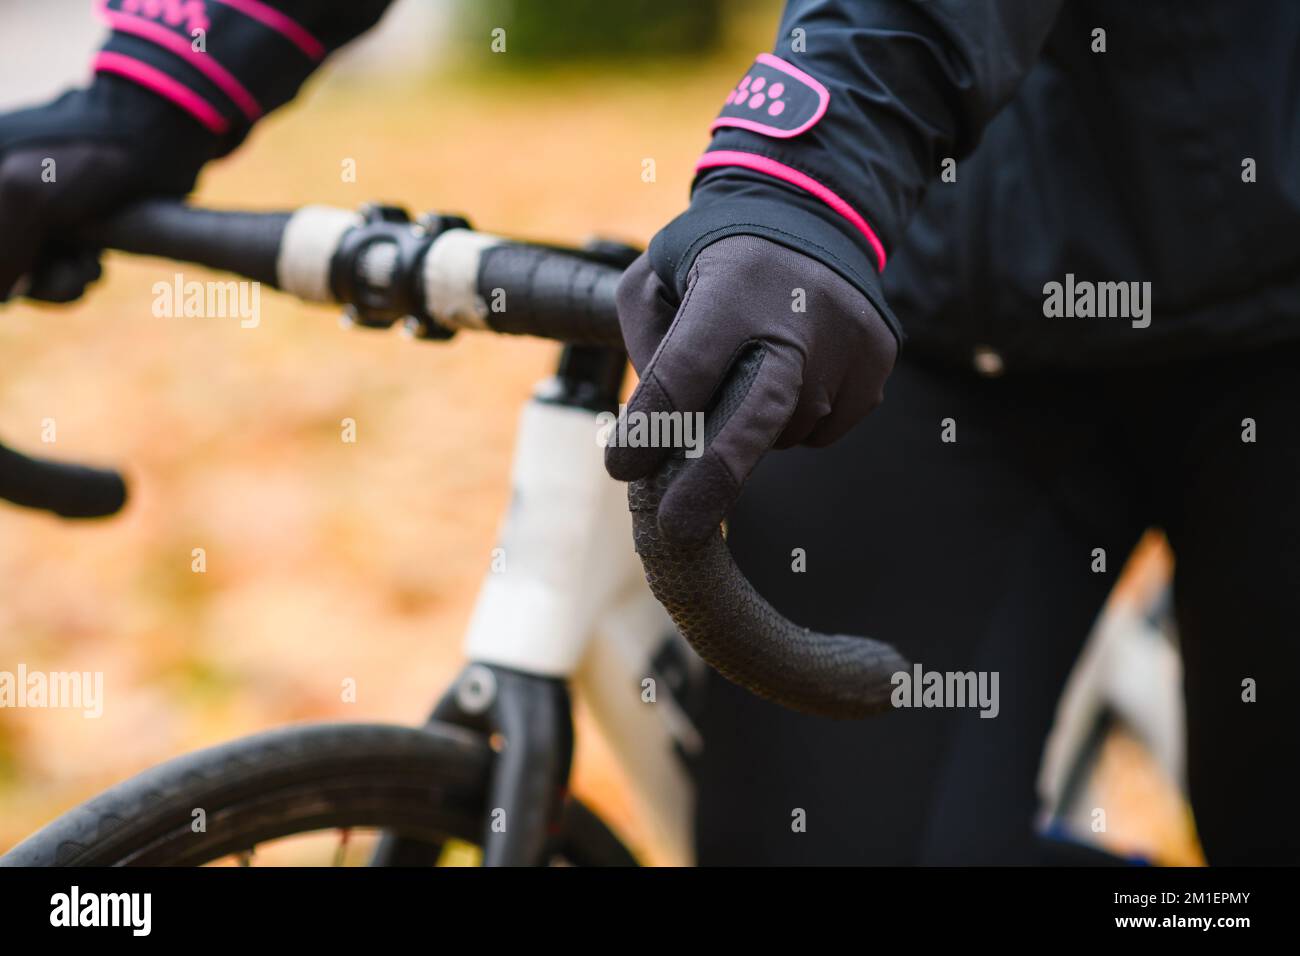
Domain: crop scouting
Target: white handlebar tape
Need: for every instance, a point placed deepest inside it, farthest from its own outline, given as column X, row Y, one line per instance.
column 450, row 276
column 307, row 247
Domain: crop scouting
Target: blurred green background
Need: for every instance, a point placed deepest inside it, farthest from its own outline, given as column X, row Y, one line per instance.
column 596, row 30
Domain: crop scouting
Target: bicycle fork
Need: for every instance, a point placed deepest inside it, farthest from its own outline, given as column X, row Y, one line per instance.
column 533, row 617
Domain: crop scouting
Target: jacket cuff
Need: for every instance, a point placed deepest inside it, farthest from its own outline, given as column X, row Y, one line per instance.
column 224, row 65
column 731, row 201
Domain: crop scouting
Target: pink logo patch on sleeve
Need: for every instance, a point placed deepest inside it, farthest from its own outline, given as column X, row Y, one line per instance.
column 774, row 99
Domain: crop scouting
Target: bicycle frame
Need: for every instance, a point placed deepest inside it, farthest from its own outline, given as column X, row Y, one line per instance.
column 565, row 598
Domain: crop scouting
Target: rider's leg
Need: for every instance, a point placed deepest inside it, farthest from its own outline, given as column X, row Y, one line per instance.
column 973, row 554
column 1233, row 518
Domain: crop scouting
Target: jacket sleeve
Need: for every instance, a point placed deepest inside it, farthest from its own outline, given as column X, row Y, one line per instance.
column 827, row 145
column 227, row 63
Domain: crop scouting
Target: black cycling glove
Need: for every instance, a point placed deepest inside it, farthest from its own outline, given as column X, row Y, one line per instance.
column 809, row 349
column 176, row 84
column 68, row 162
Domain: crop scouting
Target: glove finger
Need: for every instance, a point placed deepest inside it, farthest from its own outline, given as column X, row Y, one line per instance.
column 22, row 232
column 679, row 379
column 645, row 314
column 44, row 192
column 754, row 406
column 645, row 311
column 631, row 451
column 813, row 408
column 829, row 430
column 658, row 420
column 853, row 404
column 63, row 276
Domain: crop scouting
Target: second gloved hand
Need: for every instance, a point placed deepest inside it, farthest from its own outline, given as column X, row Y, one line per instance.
column 72, row 160
column 808, row 352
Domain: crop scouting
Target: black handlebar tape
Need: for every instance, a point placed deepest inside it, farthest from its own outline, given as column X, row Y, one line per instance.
column 743, row 637
column 245, row 243
column 533, row 290
column 71, row 491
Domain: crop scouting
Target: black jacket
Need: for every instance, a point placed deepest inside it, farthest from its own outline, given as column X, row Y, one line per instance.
column 1123, row 166
column 1120, row 166
column 227, row 63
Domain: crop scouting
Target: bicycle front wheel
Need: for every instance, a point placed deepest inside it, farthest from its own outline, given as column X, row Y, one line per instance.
column 426, row 785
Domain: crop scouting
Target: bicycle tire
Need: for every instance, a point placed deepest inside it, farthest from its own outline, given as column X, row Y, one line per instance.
column 426, row 784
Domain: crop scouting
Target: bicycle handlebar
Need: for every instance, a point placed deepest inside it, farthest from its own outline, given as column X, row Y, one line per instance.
column 437, row 271
column 742, row 636
column 67, row 490
column 442, row 276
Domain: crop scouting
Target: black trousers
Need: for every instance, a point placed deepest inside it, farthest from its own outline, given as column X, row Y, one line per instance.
column 978, row 555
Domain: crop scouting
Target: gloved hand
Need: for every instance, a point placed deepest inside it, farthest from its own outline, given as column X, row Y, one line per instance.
column 811, row 351
column 73, row 160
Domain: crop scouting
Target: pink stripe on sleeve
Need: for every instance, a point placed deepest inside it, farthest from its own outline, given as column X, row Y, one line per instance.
column 280, row 22
column 770, row 167
column 162, row 84
column 173, row 42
